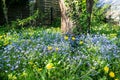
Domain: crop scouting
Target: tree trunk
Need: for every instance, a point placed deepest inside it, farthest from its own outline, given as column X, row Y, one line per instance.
column 89, row 6
column 66, row 23
column 2, row 17
column 5, row 11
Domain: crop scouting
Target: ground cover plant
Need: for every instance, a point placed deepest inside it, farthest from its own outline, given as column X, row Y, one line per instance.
column 86, row 48
column 47, row 54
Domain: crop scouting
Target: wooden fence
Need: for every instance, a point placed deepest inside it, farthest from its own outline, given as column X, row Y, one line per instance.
column 49, row 8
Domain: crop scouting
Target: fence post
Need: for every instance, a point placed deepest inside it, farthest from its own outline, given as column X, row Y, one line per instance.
column 51, row 14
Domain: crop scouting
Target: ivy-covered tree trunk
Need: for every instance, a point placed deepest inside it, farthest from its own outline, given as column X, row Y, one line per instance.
column 66, row 23
column 89, row 6
column 76, row 15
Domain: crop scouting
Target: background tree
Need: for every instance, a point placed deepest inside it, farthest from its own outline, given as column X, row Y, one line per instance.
column 76, row 15
column 5, row 10
column 89, row 6
column 66, row 22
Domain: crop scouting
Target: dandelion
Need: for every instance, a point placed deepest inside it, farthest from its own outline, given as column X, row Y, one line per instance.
column 6, row 43
column 81, row 42
column 49, row 66
column 73, row 38
column 0, row 37
column 66, row 37
column 113, row 35
column 112, row 74
column 57, row 49
column 49, row 48
column 24, row 74
column 31, row 63
column 12, row 77
column 106, row 69
column 34, row 66
column 39, row 69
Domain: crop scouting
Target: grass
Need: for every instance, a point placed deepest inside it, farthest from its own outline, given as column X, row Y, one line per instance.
column 46, row 54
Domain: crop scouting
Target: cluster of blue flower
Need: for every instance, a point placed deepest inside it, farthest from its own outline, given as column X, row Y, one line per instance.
column 18, row 53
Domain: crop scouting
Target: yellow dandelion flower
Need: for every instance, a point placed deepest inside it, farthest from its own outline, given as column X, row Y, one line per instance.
column 66, row 37
column 49, row 66
column 73, row 38
column 39, row 69
column 113, row 35
column 81, row 42
column 0, row 37
column 34, row 66
column 24, row 74
column 112, row 74
column 31, row 63
column 106, row 69
column 14, row 78
column 6, row 42
column 10, row 76
column 49, row 48
column 57, row 49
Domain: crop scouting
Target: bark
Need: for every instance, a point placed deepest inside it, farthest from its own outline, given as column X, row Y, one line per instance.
column 66, row 22
column 5, row 11
column 2, row 17
column 89, row 6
